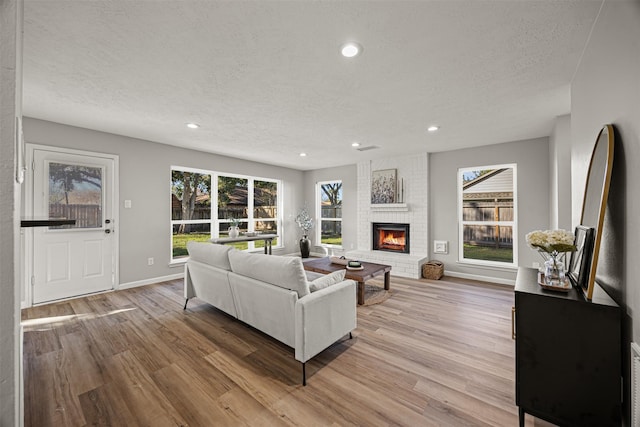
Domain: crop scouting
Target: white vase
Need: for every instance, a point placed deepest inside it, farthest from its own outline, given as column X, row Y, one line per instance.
column 233, row 232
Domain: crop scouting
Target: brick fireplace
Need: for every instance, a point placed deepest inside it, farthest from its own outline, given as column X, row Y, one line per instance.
column 413, row 212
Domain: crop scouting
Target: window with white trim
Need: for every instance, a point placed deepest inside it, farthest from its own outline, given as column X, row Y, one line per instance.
column 329, row 213
column 487, row 214
column 254, row 203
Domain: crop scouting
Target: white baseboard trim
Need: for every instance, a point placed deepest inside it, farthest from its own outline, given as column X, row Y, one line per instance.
column 150, row 281
column 480, row 278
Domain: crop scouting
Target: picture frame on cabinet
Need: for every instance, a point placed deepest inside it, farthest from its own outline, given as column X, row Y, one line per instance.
column 581, row 258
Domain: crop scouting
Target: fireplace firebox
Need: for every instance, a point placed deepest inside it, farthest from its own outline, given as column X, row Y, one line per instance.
column 391, row 237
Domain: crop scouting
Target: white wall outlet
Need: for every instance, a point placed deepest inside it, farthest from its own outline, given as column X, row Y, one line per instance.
column 150, row 261
column 127, row 204
column 440, row 247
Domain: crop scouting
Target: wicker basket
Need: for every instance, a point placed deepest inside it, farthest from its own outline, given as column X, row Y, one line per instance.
column 433, row 270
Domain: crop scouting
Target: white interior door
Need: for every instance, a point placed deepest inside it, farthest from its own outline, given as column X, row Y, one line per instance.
column 78, row 259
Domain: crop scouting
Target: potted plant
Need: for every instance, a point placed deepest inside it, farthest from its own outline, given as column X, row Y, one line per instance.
column 305, row 222
column 234, row 229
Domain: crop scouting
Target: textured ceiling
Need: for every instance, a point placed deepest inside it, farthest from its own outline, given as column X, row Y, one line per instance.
column 265, row 79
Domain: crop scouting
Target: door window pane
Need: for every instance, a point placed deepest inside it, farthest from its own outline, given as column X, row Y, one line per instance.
column 75, row 192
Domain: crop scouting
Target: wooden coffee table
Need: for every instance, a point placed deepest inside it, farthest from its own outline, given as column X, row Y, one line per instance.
column 370, row 270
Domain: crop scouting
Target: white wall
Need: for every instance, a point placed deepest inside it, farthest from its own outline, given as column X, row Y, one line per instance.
column 10, row 108
column 532, row 159
column 144, row 230
column 560, row 174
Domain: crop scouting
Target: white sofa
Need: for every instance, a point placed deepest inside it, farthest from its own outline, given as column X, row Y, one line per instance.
column 272, row 294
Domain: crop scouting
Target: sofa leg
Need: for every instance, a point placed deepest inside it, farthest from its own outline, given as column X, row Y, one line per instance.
column 185, row 304
column 304, row 373
column 350, row 336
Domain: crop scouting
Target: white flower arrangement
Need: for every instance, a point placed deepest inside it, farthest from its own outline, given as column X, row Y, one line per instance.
column 551, row 241
column 304, row 220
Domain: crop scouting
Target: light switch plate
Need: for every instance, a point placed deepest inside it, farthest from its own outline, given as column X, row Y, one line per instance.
column 440, row 247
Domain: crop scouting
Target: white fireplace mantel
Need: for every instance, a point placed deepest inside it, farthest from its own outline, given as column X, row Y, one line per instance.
column 390, row 207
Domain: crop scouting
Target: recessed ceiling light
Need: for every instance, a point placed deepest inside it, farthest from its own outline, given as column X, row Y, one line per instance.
column 303, row 154
column 355, row 144
column 350, row 49
column 433, row 128
column 193, row 125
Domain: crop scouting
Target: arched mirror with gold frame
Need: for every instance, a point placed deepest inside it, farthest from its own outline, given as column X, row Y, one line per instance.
column 594, row 203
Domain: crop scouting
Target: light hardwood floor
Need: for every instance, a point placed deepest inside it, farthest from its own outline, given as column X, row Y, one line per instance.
column 435, row 353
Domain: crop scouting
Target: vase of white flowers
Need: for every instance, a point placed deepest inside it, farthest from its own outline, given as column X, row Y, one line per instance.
column 305, row 222
column 552, row 245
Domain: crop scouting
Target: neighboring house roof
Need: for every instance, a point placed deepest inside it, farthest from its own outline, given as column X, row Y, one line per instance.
column 497, row 184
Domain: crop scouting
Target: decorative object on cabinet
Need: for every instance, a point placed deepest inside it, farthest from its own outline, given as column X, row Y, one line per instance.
column 563, row 285
column 383, row 186
column 596, row 192
column 568, row 354
column 552, row 246
column 578, row 267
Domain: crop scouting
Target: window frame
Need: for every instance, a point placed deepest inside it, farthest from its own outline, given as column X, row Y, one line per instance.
column 319, row 219
column 513, row 224
column 216, row 222
column 251, row 220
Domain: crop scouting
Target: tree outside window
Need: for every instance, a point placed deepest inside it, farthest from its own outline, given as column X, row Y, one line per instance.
column 196, row 216
column 329, row 207
column 190, row 209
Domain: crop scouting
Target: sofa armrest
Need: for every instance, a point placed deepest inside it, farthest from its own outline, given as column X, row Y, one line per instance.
column 323, row 317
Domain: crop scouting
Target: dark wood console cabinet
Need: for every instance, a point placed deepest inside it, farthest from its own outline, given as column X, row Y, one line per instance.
column 568, row 355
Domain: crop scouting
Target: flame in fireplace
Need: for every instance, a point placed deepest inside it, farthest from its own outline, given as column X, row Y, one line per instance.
column 390, row 238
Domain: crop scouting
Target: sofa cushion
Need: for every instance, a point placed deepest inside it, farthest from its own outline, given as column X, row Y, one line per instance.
column 210, row 253
column 327, row 280
column 285, row 272
column 312, row 275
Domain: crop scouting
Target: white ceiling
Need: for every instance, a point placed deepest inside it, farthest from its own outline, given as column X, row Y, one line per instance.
column 265, row 79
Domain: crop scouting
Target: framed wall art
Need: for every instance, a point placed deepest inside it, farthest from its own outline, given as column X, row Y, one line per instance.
column 581, row 258
column 383, row 186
